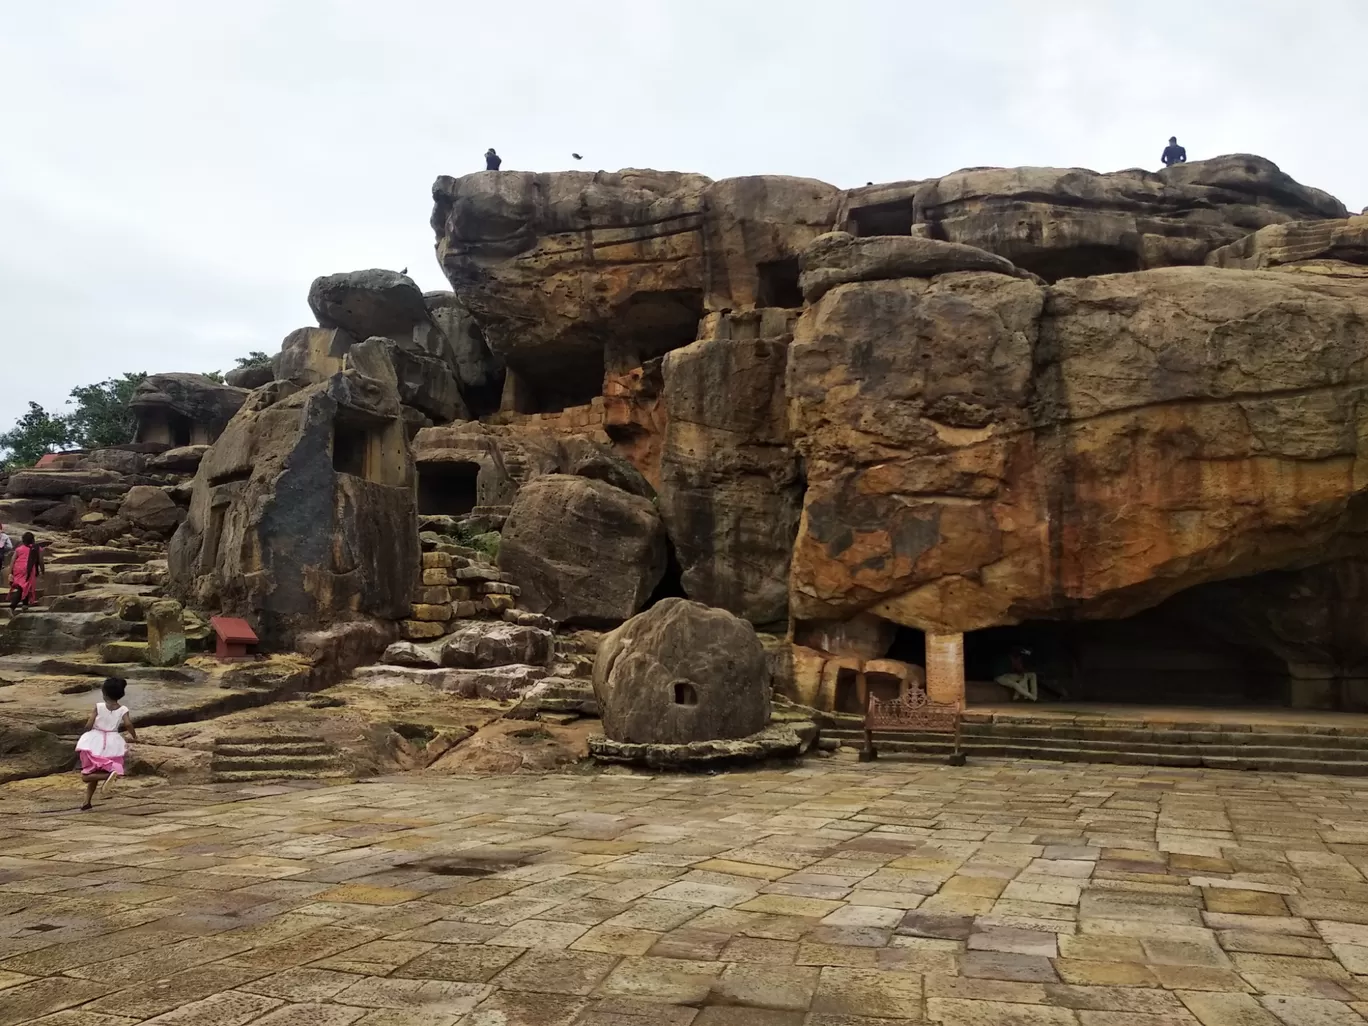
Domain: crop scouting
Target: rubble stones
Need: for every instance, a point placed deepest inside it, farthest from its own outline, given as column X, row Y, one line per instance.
column 780, row 741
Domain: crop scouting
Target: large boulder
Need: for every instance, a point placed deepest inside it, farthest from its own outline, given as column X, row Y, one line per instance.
column 981, row 450
column 151, row 509
column 252, row 376
column 731, row 488
column 481, row 645
column 682, row 672
column 365, row 303
column 581, row 550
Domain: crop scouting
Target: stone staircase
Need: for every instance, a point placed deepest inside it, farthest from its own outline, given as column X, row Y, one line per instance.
column 82, row 602
column 244, row 758
column 1269, row 747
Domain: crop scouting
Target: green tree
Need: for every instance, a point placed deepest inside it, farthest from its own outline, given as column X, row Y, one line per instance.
column 36, row 433
column 102, row 416
column 256, row 358
column 213, row 376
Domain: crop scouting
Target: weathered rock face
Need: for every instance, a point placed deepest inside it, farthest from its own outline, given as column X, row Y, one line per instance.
column 1303, row 245
column 839, row 258
column 682, row 672
column 469, row 465
column 303, row 513
column 582, row 550
column 478, row 370
column 517, row 248
column 1068, row 222
column 370, row 302
column 183, row 409
column 982, row 450
column 427, row 384
column 731, row 491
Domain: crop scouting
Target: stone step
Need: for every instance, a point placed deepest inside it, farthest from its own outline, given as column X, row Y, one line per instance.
column 250, row 751
column 266, row 740
column 1290, row 746
column 271, row 776
column 267, row 763
column 1270, row 758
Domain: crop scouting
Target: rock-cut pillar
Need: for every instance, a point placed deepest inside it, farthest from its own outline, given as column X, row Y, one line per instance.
column 945, row 668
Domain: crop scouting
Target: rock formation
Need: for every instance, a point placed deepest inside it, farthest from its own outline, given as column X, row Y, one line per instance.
column 303, row 511
column 175, row 410
column 931, row 403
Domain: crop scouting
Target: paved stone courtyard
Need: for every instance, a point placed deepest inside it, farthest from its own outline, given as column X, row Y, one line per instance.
column 834, row 894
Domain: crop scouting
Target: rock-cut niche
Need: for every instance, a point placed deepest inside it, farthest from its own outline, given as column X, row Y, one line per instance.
column 447, row 489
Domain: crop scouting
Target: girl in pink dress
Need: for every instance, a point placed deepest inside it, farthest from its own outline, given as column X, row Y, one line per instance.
column 102, row 748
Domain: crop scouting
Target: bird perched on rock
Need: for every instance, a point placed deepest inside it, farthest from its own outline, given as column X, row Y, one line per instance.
column 404, row 271
column 576, row 156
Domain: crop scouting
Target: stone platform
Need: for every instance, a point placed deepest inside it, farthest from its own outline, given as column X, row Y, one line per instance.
column 836, row 894
column 1277, row 740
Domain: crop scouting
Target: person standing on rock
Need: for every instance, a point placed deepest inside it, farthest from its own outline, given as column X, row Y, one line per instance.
column 102, row 747
column 492, row 160
column 1173, row 153
column 28, row 567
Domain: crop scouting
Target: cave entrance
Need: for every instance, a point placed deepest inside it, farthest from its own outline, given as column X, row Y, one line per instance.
column 447, row 489
column 882, row 219
column 1077, row 262
column 180, row 428
column 777, row 284
column 1157, row 657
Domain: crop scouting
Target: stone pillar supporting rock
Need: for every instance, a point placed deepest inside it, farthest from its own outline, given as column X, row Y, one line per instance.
column 165, row 633
column 945, row 668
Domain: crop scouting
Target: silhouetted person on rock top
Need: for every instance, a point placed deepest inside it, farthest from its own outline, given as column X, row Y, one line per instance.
column 492, row 160
column 1173, row 153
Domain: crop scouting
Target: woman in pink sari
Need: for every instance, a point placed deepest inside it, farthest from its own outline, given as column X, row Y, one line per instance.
column 28, row 565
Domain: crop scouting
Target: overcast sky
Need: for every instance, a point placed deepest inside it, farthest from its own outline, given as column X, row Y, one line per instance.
column 173, row 174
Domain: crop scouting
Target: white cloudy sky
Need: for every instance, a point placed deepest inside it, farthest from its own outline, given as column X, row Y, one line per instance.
column 173, row 174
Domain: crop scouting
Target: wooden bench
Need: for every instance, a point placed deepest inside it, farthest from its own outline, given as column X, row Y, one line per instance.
column 913, row 712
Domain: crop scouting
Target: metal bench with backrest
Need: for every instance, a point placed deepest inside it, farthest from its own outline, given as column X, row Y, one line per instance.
column 910, row 713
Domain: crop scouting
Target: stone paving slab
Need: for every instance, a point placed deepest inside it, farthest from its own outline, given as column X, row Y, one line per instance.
column 833, row 894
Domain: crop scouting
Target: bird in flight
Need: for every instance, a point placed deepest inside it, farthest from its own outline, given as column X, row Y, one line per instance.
column 576, row 156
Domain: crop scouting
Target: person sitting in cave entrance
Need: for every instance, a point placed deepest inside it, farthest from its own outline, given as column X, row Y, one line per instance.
column 492, row 160
column 1014, row 675
column 1173, row 153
